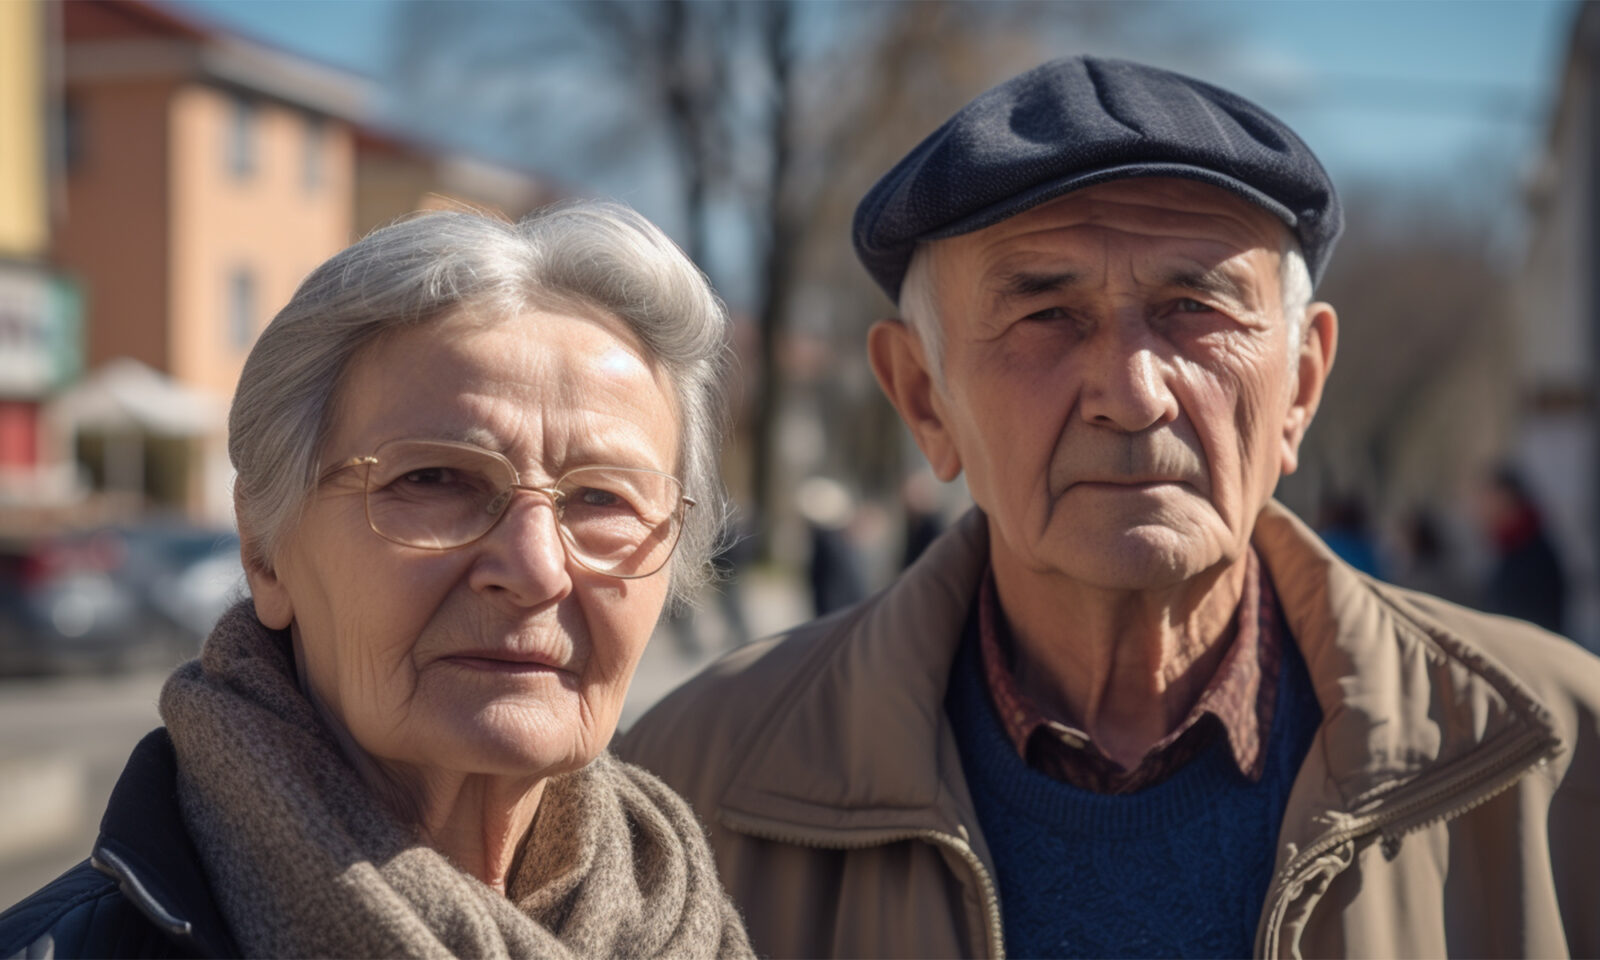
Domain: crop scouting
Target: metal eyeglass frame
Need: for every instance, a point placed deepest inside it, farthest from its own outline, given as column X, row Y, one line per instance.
column 552, row 492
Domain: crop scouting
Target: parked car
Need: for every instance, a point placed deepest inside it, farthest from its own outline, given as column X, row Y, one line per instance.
column 62, row 606
column 185, row 577
column 117, row 598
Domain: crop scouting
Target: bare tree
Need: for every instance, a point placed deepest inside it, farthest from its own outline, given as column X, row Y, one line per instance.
column 1420, row 399
column 777, row 117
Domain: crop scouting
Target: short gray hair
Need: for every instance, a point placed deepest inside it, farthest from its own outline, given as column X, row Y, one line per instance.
column 594, row 255
column 919, row 301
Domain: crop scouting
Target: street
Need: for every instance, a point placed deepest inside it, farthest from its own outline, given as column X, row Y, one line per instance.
column 63, row 741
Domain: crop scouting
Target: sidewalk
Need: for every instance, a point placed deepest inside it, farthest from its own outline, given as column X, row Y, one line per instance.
column 770, row 603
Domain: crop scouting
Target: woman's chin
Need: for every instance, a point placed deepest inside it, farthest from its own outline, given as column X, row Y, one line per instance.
column 516, row 739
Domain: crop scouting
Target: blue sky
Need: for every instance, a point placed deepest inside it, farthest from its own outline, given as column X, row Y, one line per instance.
column 1392, row 90
column 1448, row 97
column 1400, row 89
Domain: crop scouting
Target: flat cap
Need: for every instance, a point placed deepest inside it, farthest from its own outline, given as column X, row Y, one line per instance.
column 1078, row 121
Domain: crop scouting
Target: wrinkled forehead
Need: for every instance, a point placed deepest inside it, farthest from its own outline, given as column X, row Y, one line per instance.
column 1154, row 215
column 439, row 379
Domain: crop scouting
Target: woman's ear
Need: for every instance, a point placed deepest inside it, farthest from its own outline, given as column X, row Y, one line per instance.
column 269, row 593
column 271, row 598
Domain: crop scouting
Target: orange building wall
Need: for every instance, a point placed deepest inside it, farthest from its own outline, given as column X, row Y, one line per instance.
column 388, row 186
column 114, row 236
column 268, row 222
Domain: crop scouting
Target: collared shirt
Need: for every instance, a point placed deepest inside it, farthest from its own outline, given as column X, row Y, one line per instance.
column 1238, row 701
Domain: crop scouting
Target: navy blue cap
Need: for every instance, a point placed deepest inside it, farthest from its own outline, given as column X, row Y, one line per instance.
column 1079, row 121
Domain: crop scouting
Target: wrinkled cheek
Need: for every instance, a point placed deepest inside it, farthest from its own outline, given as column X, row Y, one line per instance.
column 618, row 625
column 375, row 684
column 1258, row 455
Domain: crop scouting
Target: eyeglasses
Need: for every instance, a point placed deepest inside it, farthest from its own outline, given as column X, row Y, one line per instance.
column 438, row 495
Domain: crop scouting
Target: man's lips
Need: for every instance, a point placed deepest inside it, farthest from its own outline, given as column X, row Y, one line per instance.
column 1139, row 483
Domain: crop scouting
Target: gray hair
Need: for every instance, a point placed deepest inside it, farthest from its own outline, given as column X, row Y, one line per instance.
column 919, row 301
column 594, row 255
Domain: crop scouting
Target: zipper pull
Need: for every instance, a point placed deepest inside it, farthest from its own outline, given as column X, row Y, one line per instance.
column 1391, row 846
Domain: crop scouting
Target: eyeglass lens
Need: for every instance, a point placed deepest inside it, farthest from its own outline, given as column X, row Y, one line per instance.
column 615, row 520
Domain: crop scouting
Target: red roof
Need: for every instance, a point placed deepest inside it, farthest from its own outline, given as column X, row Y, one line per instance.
column 120, row 19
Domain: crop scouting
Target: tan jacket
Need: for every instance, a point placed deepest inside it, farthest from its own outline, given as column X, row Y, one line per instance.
column 1450, row 803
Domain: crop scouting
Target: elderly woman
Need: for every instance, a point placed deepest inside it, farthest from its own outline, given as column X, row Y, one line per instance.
column 474, row 459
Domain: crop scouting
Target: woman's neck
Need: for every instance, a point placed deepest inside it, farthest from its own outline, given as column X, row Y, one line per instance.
column 480, row 823
column 477, row 821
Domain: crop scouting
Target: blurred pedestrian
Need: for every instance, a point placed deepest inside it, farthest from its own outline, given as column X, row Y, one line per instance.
column 919, row 495
column 1527, row 579
column 729, row 564
column 1427, row 563
column 1342, row 525
column 834, row 572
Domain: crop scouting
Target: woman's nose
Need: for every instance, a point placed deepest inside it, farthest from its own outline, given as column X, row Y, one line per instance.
column 523, row 560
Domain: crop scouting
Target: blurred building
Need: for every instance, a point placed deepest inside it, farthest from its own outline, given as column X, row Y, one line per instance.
column 396, row 175
column 38, row 313
column 204, row 175
column 1558, row 437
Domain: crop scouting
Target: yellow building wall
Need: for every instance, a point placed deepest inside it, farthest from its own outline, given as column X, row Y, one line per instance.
column 271, row 223
column 24, row 199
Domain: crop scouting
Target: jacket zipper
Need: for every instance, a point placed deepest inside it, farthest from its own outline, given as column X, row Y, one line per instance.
column 991, row 898
column 1502, row 772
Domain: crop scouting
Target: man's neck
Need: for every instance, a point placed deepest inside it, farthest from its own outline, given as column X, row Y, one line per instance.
column 1126, row 666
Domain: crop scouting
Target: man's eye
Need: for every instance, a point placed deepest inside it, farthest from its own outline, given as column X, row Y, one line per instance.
column 1191, row 305
column 1049, row 313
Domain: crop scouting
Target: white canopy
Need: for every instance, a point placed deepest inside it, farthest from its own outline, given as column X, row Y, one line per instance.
column 127, row 395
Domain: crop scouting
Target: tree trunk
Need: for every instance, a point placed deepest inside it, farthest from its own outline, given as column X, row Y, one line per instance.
column 777, row 276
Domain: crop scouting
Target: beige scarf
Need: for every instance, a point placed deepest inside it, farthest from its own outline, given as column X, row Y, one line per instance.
column 304, row 861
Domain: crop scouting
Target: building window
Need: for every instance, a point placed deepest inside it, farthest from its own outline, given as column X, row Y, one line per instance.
column 242, row 139
column 72, row 134
column 241, row 307
column 311, row 159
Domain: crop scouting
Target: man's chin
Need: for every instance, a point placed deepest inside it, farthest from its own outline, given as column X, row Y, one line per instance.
column 1140, row 558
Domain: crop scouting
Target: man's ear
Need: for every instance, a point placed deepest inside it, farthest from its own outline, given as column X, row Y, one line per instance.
column 269, row 593
column 1318, row 344
column 902, row 371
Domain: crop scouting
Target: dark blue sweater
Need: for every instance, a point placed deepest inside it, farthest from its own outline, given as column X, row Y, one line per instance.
column 1179, row 869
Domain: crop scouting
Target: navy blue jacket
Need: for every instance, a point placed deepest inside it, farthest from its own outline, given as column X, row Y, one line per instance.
column 141, row 893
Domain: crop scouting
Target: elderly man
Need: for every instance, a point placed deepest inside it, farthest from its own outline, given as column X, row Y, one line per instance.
column 1130, row 705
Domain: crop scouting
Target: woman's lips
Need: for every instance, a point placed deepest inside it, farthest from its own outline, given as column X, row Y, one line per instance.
column 504, row 662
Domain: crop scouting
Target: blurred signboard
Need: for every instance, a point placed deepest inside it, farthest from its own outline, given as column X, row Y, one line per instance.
column 40, row 324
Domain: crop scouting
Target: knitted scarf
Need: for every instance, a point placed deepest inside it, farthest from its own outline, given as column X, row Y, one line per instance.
column 304, row 861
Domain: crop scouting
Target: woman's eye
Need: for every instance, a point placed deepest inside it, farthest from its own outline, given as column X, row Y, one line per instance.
column 593, row 497
column 427, row 476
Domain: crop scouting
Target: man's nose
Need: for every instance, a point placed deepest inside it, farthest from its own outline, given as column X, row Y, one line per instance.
column 523, row 561
column 1125, row 382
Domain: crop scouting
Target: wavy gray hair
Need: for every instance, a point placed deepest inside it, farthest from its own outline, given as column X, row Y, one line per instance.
column 589, row 254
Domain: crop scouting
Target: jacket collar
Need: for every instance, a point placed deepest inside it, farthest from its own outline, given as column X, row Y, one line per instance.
column 145, row 847
column 1408, row 704
column 844, row 751
column 844, row 754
